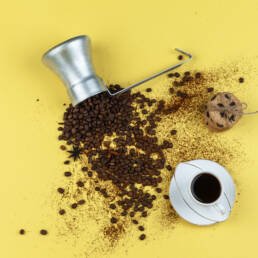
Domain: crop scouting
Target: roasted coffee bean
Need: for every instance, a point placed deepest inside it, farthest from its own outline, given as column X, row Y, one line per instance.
column 61, row 212
column 141, row 228
column 43, row 232
column 135, row 221
column 148, row 90
column 168, row 167
column 113, row 220
column 241, row 79
column 60, row 190
column 180, row 57
column 81, row 202
column 67, row 173
column 158, row 190
column 142, row 237
column 173, row 132
column 177, row 75
column 62, row 147
column 84, row 169
column 165, row 196
column 112, row 206
column 198, row 75
column 80, row 184
column 74, row 205
column 67, row 162
column 210, row 89
column 22, row 232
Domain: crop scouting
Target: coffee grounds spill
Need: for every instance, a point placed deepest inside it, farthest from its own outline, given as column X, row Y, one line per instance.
column 129, row 146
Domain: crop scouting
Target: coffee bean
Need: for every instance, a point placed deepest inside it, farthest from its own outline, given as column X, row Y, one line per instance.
column 74, row 205
column 141, row 228
column 177, row 75
column 90, row 174
column 142, row 237
column 180, row 57
column 210, row 89
column 158, row 190
column 43, row 232
column 81, row 202
column 67, row 174
column 113, row 220
column 135, row 221
column 84, row 169
column 60, row 190
column 173, row 132
column 22, row 232
column 112, row 206
column 61, row 212
column 62, row 147
column 131, row 214
column 168, row 167
column 241, row 79
column 66, row 162
column 165, row 196
column 144, row 214
column 198, row 75
column 80, row 184
column 148, row 90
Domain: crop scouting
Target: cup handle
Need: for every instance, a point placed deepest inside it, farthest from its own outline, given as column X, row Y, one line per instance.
column 220, row 208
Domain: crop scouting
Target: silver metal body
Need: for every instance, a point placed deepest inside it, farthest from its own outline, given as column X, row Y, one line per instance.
column 71, row 61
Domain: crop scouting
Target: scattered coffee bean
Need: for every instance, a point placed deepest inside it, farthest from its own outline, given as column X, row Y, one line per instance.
column 84, row 169
column 113, row 220
column 158, row 190
column 67, row 173
column 198, row 75
column 148, row 90
column 90, row 174
column 165, row 196
column 141, row 228
column 142, row 237
column 74, row 205
column 67, row 162
column 173, row 132
column 180, row 57
column 81, row 202
column 80, row 184
column 22, row 232
column 241, row 79
column 60, row 190
column 43, row 232
column 177, row 75
column 210, row 89
column 62, row 212
column 135, row 221
column 168, row 167
column 62, row 147
column 112, row 206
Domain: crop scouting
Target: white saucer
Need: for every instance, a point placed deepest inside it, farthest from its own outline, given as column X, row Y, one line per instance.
column 191, row 209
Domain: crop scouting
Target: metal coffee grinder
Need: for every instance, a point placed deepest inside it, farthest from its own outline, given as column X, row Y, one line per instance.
column 71, row 61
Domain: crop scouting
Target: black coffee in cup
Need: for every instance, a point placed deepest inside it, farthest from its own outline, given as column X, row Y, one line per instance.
column 206, row 188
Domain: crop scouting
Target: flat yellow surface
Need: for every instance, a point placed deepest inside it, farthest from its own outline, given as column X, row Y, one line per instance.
column 130, row 39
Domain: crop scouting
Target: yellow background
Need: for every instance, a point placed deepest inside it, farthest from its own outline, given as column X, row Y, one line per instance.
column 130, row 39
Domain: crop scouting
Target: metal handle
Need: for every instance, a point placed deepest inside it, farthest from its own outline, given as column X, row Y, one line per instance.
column 156, row 74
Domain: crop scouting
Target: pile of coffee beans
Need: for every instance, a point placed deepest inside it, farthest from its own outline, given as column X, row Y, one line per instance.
column 132, row 159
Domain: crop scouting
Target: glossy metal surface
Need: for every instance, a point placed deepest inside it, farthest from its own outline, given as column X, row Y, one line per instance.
column 71, row 61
